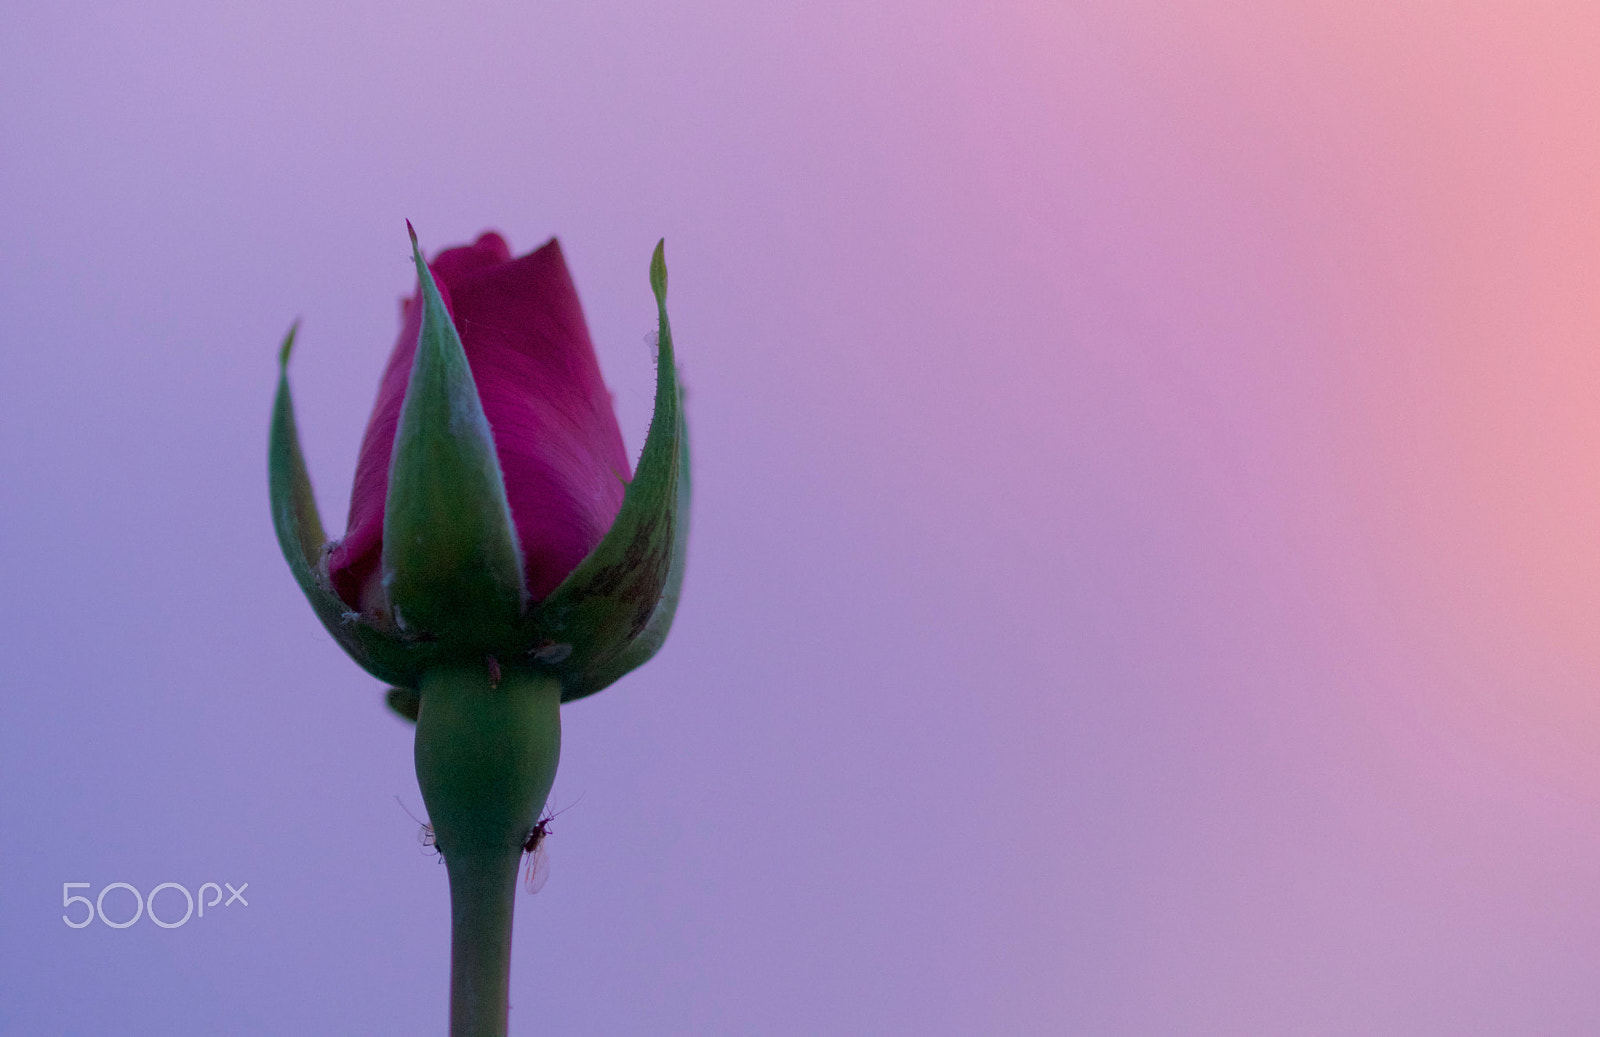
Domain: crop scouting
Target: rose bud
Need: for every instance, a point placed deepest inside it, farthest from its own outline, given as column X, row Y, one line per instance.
column 493, row 519
column 499, row 560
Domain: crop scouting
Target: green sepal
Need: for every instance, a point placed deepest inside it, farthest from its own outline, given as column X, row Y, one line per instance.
column 294, row 506
column 614, row 610
column 649, row 640
column 452, row 564
column 384, row 654
column 405, row 702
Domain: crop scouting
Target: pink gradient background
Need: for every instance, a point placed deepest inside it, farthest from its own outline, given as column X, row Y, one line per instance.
column 1145, row 575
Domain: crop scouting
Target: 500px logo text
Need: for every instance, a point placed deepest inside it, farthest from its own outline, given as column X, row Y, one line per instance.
column 144, row 905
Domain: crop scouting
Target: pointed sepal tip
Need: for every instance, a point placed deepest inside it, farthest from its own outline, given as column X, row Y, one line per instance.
column 658, row 272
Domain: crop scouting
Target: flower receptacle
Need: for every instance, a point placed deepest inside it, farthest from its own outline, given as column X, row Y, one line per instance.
column 486, row 754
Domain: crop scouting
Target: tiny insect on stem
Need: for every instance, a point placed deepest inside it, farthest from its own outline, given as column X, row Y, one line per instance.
column 536, row 836
column 533, row 847
column 425, row 833
column 538, row 860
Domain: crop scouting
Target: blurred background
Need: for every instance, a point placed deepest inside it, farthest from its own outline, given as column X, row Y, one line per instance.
column 1144, row 574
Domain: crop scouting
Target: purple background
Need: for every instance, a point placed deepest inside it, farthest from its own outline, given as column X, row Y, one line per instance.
column 1144, row 576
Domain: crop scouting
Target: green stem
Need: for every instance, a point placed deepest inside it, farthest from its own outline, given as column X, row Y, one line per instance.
column 481, row 895
column 486, row 758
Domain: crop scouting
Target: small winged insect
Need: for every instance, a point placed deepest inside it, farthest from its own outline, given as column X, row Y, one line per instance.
column 425, row 834
column 538, row 860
